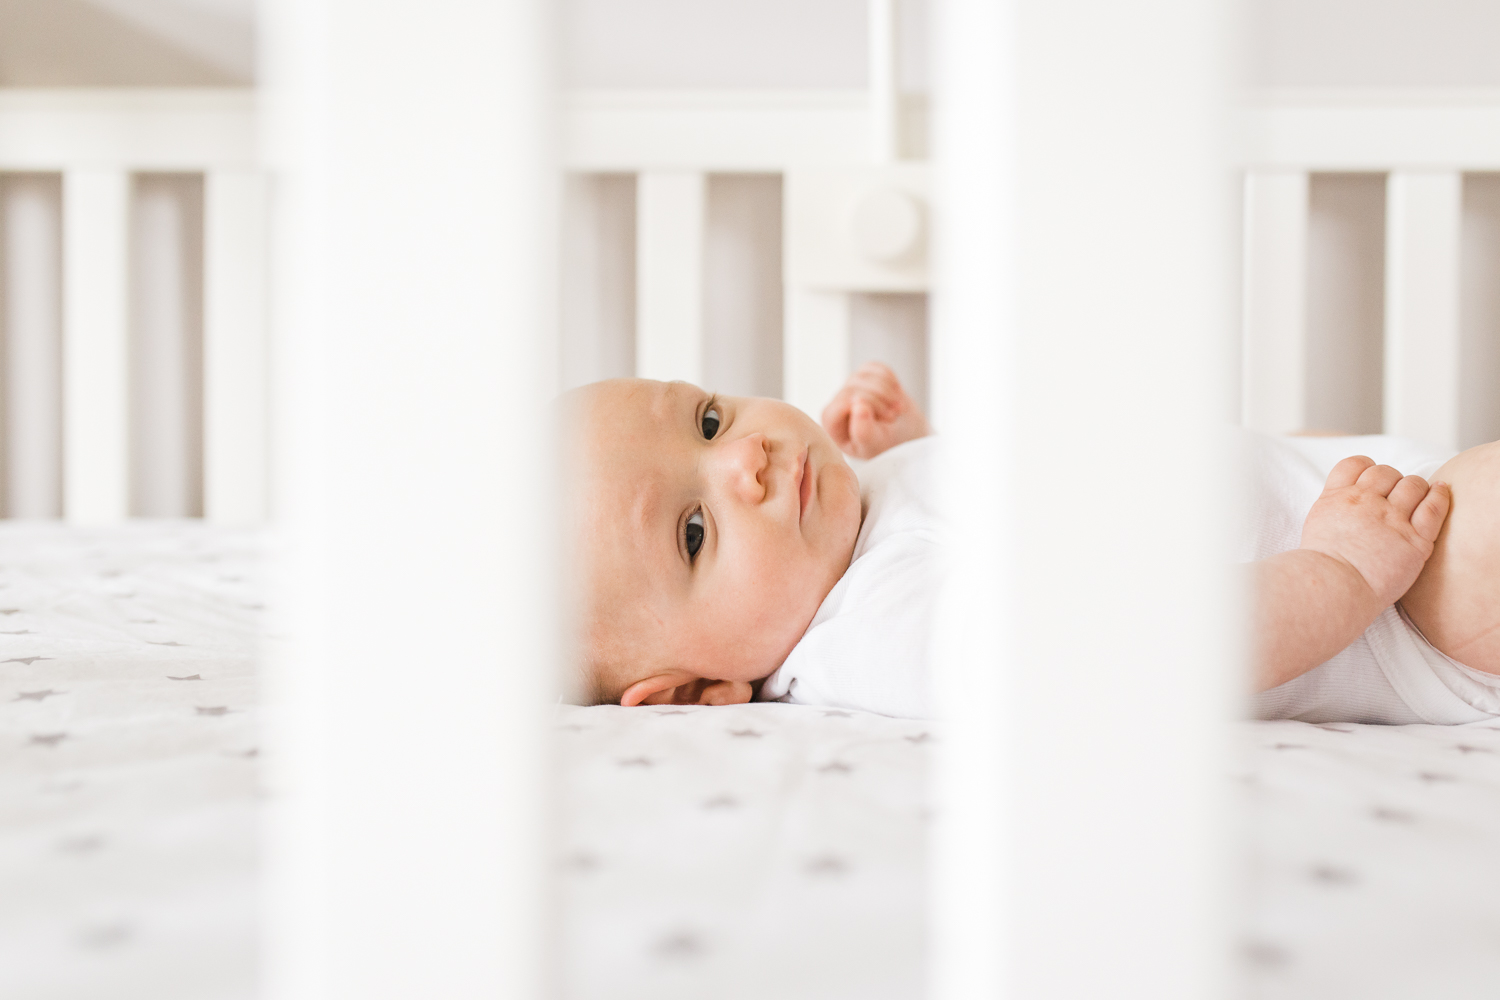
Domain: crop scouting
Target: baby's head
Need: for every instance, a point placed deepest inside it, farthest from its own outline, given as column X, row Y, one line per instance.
column 1456, row 600
column 708, row 531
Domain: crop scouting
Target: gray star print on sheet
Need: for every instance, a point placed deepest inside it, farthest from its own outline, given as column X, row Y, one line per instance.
column 746, row 733
column 835, row 767
column 24, row 631
column 28, row 660
column 189, row 677
column 149, row 642
column 213, row 709
column 827, row 864
column 10, row 611
column 37, row 695
column 48, row 739
column 1329, row 875
column 679, row 946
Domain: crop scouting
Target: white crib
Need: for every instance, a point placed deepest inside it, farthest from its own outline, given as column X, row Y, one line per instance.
column 69, row 306
column 854, row 219
column 852, row 189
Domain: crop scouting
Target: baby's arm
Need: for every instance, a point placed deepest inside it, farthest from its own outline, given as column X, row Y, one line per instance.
column 873, row 413
column 1363, row 545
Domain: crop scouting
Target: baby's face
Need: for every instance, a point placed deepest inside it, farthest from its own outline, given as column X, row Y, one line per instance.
column 712, row 529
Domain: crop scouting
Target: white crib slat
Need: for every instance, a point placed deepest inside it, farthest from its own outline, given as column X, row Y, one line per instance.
column 885, row 120
column 1275, row 302
column 815, row 348
column 234, row 347
column 96, row 205
column 1422, row 358
column 669, row 275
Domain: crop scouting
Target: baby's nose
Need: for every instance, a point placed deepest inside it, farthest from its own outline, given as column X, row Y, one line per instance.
column 742, row 464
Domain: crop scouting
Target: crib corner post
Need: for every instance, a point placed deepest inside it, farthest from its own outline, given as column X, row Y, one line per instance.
column 1422, row 347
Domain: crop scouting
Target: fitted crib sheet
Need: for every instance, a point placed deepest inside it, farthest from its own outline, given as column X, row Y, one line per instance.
column 752, row 851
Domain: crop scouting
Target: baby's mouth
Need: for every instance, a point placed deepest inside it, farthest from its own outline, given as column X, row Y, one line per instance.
column 806, row 486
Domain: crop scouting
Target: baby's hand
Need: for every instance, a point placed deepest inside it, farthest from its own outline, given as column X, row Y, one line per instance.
column 872, row 413
column 1378, row 522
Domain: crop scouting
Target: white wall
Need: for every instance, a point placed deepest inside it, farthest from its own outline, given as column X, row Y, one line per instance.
column 741, row 43
column 1374, row 43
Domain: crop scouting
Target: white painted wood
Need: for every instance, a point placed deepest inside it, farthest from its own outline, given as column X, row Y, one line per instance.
column 235, row 220
column 415, row 356
column 127, row 127
column 815, row 351
column 1082, row 327
column 31, row 321
column 669, row 275
column 1274, row 366
column 1422, row 345
column 823, row 246
column 885, row 102
column 96, row 206
column 1369, row 129
column 712, row 130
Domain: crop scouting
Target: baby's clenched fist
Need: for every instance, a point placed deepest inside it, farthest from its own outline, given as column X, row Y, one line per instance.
column 872, row 413
column 1379, row 523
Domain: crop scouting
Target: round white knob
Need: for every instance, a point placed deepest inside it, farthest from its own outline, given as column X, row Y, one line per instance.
column 886, row 225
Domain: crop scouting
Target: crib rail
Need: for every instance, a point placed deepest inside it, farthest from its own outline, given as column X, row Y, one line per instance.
column 839, row 154
column 1425, row 146
column 97, row 141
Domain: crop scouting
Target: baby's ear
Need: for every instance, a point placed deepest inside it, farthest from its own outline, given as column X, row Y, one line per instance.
column 677, row 687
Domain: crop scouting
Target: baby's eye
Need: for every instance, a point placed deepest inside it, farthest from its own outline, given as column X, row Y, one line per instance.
column 694, row 533
column 711, row 421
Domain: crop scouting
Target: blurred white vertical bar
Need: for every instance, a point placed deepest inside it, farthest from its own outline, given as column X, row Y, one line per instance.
column 1424, row 214
column 31, row 297
column 415, row 362
column 884, row 86
column 1275, row 301
column 973, row 345
column 815, row 347
column 1086, row 653
column 669, row 275
column 235, row 215
column 96, row 212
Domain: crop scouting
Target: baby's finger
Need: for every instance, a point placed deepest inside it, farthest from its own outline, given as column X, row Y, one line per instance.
column 1431, row 512
column 884, row 397
column 879, row 372
column 836, row 418
column 1380, row 478
column 863, row 429
column 1347, row 472
column 1408, row 493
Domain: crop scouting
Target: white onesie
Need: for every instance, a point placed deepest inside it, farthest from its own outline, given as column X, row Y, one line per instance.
column 1390, row 674
column 867, row 646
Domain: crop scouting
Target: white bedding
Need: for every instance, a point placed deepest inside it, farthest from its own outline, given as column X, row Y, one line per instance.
column 127, row 797
column 756, row 851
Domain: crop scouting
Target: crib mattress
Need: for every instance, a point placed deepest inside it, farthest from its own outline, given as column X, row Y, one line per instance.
column 127, row 761
column 754, row 851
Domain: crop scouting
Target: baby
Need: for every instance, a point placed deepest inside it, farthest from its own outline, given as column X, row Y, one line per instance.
column 716, row 540
column 728, row 551
column 1375, row 609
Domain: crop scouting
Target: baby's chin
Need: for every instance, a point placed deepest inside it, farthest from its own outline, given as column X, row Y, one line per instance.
column 1456, row 600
